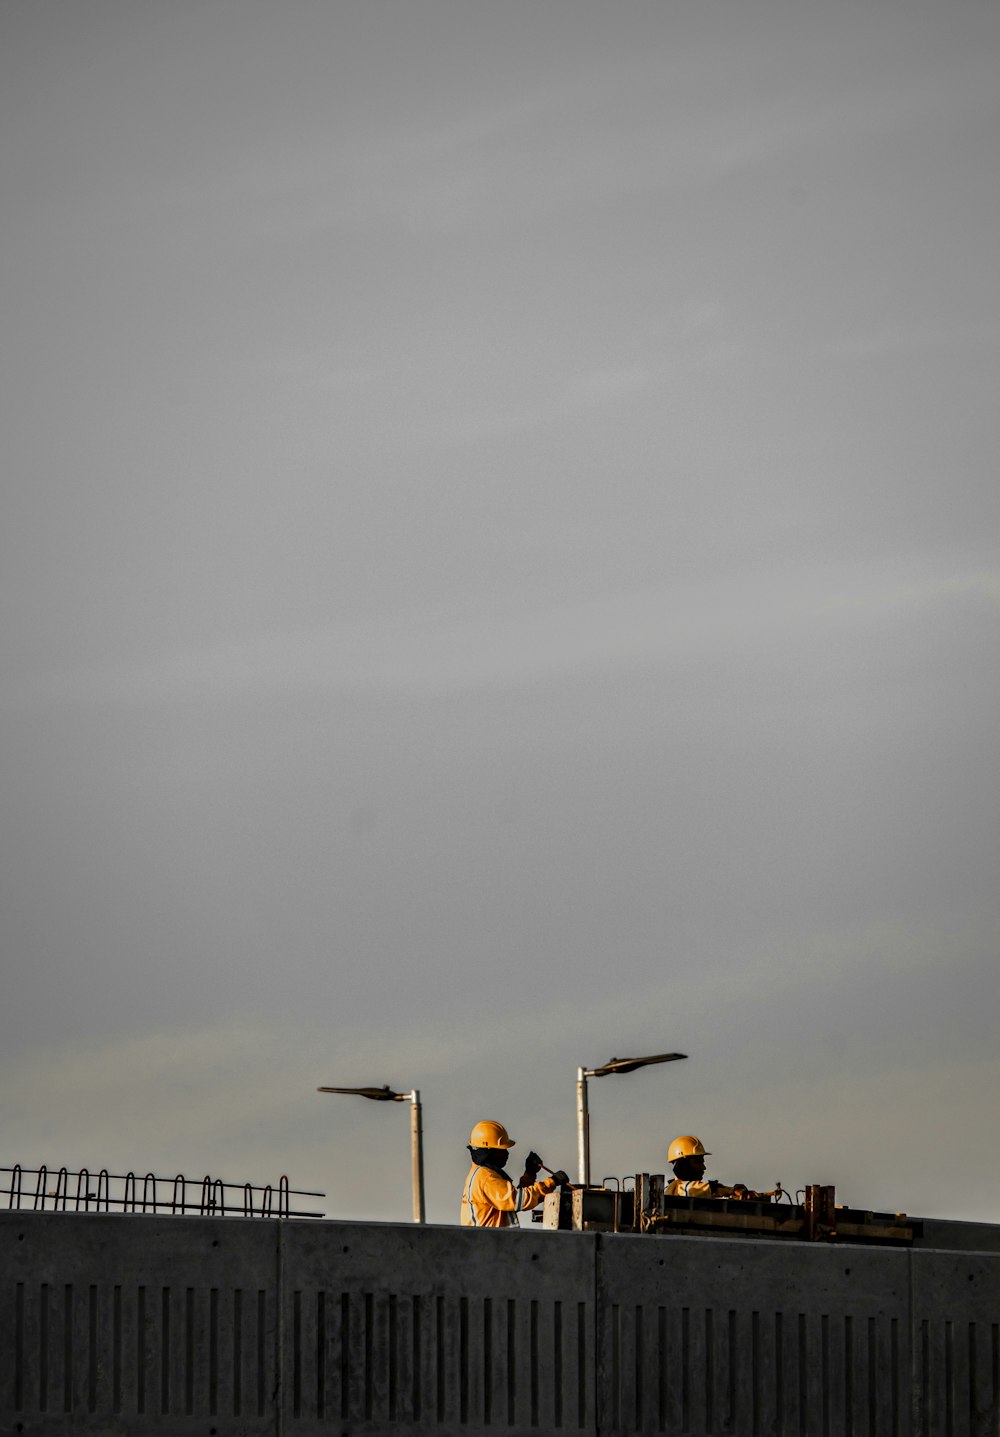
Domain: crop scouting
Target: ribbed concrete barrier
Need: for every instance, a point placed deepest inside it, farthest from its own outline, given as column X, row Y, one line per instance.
column 221, row 1326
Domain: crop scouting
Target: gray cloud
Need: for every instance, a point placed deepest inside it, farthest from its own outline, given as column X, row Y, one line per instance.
column 499, row 554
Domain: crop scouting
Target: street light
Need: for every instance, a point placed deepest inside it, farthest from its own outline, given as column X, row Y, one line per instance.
column 611, row 1068
column 386, row 1095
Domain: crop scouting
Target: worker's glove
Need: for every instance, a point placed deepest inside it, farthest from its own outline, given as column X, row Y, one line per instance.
column 560, row 1178
column 533, row 1165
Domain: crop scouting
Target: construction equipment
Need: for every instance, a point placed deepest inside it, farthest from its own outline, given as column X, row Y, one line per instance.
column 645, row 1208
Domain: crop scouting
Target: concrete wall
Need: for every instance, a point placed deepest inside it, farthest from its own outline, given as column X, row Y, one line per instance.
column 147, row 1324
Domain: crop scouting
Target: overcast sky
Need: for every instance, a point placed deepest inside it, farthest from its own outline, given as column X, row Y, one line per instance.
column 500, row 569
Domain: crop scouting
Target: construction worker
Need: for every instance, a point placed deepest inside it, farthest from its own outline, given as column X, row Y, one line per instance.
column 687, row 1155
column 490, row 1198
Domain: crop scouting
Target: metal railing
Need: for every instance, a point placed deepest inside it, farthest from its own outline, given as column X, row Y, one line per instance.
column 60, row 1190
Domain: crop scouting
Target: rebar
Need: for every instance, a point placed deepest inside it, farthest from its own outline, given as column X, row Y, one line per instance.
column 101, row 1191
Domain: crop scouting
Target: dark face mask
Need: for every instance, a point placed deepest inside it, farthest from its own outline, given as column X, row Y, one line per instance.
column 495, row 1158
column 689, row 1168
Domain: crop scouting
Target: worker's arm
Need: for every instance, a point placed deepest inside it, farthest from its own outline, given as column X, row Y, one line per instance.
column 696, row 1187
column 498, row 1190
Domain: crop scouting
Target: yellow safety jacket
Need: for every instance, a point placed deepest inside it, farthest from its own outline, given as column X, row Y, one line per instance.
column 697, row 1187
column 492, row 1199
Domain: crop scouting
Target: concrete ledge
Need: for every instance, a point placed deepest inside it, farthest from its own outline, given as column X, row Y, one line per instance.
column 226, row 1326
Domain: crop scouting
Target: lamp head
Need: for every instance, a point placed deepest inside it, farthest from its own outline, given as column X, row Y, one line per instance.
column 629, row 1065
column 377, row 1095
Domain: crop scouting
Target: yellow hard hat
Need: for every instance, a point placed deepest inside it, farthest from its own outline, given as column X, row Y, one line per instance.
column 686, row 1147
column 488, row 1134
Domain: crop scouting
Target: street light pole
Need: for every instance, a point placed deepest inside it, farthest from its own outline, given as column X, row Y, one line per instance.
column 417, row 1155
column 582, row 1128
column 386, row 1095
column 609, row 1069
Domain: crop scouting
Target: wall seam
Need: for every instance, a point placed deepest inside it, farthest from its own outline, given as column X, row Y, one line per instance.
column 597, row 1386
column 279, row 1329
column 914, row 1412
